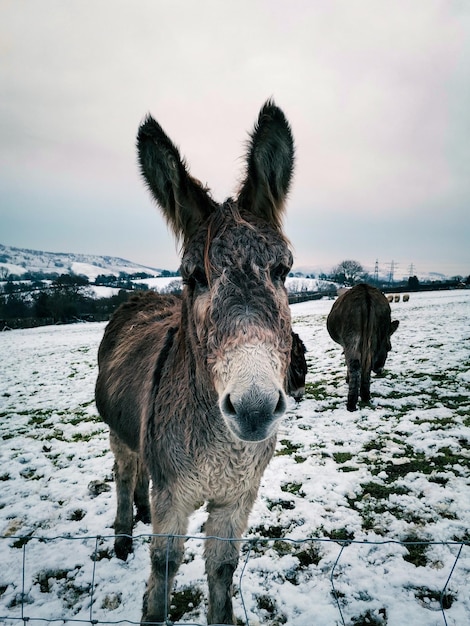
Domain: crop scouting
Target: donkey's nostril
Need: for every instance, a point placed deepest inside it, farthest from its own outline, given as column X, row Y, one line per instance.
column 227, row 406
column 281, row 405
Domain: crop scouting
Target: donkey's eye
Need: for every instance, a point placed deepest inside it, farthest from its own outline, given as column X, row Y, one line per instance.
column 279, row 273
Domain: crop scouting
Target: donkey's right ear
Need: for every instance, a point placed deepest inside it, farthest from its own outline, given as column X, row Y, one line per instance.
column 185, row 203
column 270, row 164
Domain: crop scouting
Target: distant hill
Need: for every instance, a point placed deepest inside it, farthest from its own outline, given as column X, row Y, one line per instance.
column 18, row 261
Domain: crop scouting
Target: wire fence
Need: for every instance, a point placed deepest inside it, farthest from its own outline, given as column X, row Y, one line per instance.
column 24, row 612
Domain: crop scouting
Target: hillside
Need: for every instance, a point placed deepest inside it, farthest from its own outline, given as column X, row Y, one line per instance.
column 19, row 261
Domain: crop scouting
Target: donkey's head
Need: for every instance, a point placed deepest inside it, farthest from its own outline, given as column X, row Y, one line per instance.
column 234, row 263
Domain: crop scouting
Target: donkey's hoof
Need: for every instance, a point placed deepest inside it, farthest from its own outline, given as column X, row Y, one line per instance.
column 143, row 515
column 150, row 617
column 123, row 547
column 153, row 621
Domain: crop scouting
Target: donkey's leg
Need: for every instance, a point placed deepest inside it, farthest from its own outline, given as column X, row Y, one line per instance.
column 365, row 386
column 141, row 495
column 354, row 380
column 166, row 554
column 125, row 475
column 225, row 520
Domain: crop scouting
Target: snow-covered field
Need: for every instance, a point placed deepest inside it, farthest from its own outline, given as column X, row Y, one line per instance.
column 342, row 492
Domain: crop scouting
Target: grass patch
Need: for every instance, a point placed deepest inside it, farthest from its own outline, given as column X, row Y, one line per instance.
column 316, row 390
column 340, row 534
column 22, row 541
column 290, row 449
column 29, row 473
column 272, row 532
column 20, row 599
column 268, row 606
column 309, row 555
column 293, row 488
column 342, row 457
column 280, row 505
column 46, row 579
column 380, row 491
column 38, row 420
column 374, row 500
column 101, row 554
column 434, row 599
column 111, row 601
column 439, row 480
column 77, row 515
column 369, row 618
column 416, row 551
column 86, row 436
column 444, row 459
column 282, row 547
column 374, row 444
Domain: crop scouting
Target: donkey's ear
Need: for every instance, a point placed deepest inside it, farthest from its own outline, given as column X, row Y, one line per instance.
column 185, row 203
column 270, row 164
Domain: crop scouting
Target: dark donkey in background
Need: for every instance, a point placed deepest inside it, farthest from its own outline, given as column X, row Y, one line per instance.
column 360, row 321
column 297, row 371
column 193, row 388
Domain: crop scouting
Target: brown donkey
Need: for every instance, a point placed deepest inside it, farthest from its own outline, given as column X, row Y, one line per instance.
column 360, row 321
column 193, row 388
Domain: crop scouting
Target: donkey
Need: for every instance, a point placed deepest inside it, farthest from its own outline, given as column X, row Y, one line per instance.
column 360, row 321
column 297, row 372
column 193, row 388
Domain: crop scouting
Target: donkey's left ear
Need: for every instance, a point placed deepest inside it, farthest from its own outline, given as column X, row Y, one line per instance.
column 185, row 203
column 270, row 165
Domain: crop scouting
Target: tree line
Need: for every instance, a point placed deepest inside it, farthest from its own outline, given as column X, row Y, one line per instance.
column 349, row 273
column 37, row 298
column 51, row 299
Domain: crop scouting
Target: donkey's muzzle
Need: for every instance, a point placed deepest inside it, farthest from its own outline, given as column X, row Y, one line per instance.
column 250, row 382
column 253, row 415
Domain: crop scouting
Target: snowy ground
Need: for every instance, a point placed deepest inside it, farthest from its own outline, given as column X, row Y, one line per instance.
column 396, row 471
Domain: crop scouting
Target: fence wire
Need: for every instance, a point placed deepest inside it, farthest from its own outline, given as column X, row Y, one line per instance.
column 251, row 543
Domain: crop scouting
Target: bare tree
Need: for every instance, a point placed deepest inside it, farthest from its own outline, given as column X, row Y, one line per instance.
column 175, row 286
column 4, row 273
column 348, row 272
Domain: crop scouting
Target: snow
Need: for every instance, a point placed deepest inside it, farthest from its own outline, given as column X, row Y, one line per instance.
column 11, row 268
column 100, row 291
column 57, row 496
column 20, row 260
column 159, row 283
column 295, row 284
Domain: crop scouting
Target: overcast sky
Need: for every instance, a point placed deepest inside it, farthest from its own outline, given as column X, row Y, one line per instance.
column 377, row 93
